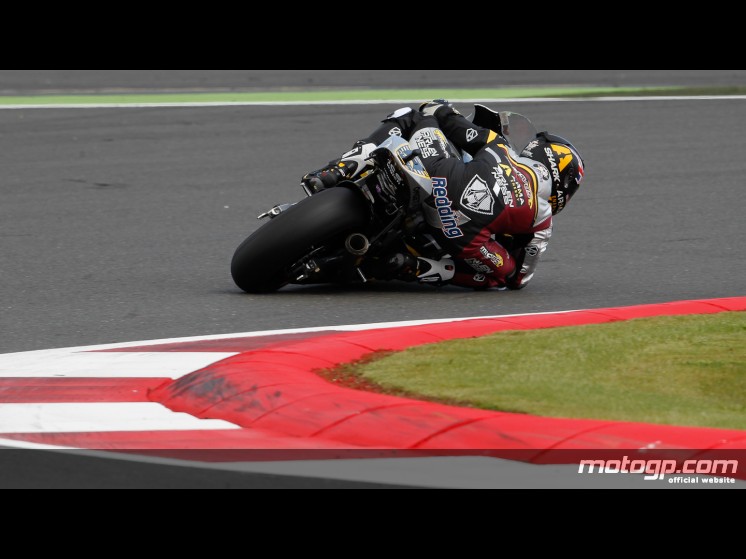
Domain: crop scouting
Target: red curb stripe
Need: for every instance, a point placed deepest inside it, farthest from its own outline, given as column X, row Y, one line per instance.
column 224, row 345
column 50, row 390
column 275, row 389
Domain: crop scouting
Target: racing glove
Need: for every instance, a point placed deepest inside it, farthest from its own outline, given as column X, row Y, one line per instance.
column 527, row 258
column 347, row 167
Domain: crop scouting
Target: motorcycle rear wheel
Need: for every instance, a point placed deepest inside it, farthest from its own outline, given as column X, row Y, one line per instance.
column 261, row 263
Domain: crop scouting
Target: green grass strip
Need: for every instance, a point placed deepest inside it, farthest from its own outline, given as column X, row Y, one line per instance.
column 684, row 370
column 323, row 96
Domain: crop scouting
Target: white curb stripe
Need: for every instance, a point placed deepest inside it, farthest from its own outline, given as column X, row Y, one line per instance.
column 97, row 418
column 125, row 364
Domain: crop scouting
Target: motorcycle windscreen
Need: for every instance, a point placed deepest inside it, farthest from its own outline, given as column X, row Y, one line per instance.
column 514, row 127
column 517, row 129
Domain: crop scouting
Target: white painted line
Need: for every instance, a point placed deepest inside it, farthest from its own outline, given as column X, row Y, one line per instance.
column 6, row 444
column 96, row 418
column 208, row 104
column 126, row 364
column 53, row 354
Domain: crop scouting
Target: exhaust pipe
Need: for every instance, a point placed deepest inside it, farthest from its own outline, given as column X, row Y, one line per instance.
column 357, row 244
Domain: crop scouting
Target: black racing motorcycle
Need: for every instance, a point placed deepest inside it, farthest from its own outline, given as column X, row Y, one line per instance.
column 342, row 234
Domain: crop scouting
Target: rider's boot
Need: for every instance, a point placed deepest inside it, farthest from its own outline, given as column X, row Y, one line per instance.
column 347, row 167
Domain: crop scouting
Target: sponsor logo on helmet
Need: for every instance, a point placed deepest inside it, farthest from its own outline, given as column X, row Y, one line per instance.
column 443, row 205
column 496, row 259
column 557, row 201
column 477, row 196
column 565, row 155
column 553, row 164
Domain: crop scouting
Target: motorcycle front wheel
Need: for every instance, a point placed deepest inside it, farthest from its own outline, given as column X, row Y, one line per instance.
column 261, row 263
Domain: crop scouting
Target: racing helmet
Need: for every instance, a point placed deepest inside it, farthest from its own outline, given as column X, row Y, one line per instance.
column 564, row 164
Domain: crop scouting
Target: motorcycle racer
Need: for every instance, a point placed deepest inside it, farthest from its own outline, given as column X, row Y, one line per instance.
column 492, row 211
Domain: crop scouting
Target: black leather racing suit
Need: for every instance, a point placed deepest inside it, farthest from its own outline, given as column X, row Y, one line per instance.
column 491, row 213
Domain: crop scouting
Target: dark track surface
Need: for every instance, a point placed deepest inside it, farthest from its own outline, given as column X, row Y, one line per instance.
column 119, row 224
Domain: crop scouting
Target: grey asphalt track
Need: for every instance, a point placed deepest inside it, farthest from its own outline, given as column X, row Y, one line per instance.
column 119, row 224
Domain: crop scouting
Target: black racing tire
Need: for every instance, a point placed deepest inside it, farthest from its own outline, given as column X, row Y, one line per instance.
column 261, row 263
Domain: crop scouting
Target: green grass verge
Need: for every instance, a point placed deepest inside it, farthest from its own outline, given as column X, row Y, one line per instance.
column 684, row 370
column 331, row 95
column 359, row 95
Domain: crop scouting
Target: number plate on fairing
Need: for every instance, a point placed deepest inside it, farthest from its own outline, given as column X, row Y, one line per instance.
column 403, row 164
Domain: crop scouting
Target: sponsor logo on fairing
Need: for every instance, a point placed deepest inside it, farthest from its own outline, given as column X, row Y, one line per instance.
column 496, row 259
column 477, row 196
column 425, row 139
column 414, row 165
column 443, row 205
column 394, row 174
column 471, row 135
column 357, row 150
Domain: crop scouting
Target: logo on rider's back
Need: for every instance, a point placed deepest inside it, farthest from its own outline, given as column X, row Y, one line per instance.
column 477, row 196
column 443, row 204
